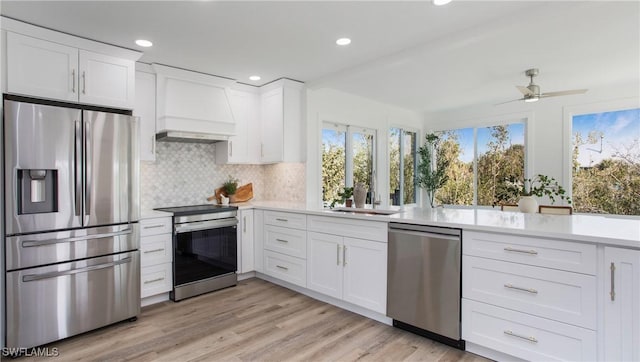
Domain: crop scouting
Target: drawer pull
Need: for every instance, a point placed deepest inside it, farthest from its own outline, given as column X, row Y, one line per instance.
column 338, row 254
column 530, row 290
column 153, row 280
column 282, row 240
column 532, row 252
column 283, row 220
column 153, row 226
column 153, row 251
column 282, row 267
column 612, row 293
column 530, row 339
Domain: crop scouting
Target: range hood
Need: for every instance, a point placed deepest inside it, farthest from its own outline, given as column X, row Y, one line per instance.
column 190, row 137
column 192, row 107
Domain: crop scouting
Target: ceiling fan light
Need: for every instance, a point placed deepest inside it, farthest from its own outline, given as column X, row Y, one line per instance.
column 440, row 2
column 532, row 99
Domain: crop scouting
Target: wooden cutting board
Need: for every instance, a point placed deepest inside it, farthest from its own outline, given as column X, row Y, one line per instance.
column 243, row 193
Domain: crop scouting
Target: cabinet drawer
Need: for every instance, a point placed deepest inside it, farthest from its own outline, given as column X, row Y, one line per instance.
column 155, row 226
column 156, row 279
column 562, row 296
column 287, row 241
column 287, row 219
column 284, row 267
column 525, row 336
column 156, row 249
column 361, row 229
column 556, row 254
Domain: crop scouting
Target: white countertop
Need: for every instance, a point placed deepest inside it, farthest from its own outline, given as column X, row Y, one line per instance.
column 600, row 229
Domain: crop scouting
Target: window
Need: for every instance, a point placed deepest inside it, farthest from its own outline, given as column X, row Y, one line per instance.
column 606, row 162
column 402, row 156
column 347, row 158
column 480, row 159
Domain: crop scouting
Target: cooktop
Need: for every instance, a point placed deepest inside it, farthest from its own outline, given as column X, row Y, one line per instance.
column 197, row 209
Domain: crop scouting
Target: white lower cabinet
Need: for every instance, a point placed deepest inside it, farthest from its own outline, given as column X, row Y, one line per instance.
column 350, row 269
column 621, row 304
column 285, row 267
column 246, row 241
column 156, row 256
column 285, row 246
column 531, row 298
column 525, row 336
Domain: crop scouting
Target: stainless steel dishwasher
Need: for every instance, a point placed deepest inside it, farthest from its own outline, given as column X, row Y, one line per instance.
column 424, row 281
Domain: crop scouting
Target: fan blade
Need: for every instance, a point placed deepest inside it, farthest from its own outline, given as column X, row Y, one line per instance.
column 563, row 93
column 524, row 90
column 514, row 100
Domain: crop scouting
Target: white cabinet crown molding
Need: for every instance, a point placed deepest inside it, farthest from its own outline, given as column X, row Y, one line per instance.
column 20, row 27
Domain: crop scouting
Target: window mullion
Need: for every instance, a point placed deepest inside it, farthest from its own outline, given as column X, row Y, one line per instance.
column 401, row 168
column 475, row 166
column 348, row 153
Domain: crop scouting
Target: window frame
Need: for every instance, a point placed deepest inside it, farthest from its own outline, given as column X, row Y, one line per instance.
column 568, row 113
column 349, row 130
column 418, row 194
column 525, row 118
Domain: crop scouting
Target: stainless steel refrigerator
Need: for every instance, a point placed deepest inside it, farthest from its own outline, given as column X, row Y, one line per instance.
column 71, row 212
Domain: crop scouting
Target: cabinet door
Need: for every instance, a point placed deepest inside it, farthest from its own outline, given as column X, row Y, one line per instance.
column 236, row 150
column 42, row 69
column 106, row 80
column 272, row 118
column 365, row 274
column 145, row 108
column 246, row 242
column 258, row 244
column 622, row 305
column 325, row 264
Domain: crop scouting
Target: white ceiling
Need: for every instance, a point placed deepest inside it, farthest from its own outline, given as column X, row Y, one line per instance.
column 410, row 54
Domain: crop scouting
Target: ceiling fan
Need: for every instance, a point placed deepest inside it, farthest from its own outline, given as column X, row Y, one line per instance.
column 531, row 93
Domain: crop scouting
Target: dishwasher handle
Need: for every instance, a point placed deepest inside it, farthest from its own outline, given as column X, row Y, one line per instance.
column 424, row 234
column 424, row 230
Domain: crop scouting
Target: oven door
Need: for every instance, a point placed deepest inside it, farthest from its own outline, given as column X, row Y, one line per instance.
column 204, row 250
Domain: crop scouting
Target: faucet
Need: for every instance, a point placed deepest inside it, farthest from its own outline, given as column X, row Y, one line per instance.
column 374, row 202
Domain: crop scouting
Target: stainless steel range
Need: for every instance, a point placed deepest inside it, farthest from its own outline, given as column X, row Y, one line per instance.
column 204, row 249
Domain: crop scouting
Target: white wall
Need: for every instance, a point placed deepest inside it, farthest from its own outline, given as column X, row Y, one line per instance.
column 334, row 106
column 547, row 140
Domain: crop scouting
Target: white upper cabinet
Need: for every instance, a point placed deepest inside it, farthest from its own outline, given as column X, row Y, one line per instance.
column 244, row 147
column 106, row 80
column 193, row 102
column 49, row 69
column 145, row 108
column 40, row 68
column 281, row 122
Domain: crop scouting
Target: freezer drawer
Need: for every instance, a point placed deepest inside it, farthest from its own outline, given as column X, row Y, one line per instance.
column 27, row 251
column 49, row 303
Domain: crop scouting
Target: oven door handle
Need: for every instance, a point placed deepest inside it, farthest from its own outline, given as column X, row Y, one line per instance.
column 205, row 225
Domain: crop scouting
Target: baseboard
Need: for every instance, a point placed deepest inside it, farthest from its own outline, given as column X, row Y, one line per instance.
column 159, row 298
column 247, row 275
column 327, row 299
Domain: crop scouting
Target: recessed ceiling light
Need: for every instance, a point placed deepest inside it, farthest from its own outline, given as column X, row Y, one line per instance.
column 254, row 77
column 144, row 43
column 441, row 2
column 343, row 41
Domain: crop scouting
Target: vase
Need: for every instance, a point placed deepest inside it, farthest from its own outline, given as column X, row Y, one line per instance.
column 232, row 199
column 359, row 195
column 348, row 203
column 528, row 204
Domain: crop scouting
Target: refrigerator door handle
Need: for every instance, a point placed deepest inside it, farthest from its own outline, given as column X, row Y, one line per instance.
column 32, row 243
column 87, row 167
column 78, row 167
column 34, row 277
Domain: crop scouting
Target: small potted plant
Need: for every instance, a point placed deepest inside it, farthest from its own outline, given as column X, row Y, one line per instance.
column 229, row 187
column 344, row 197
column 523, row 192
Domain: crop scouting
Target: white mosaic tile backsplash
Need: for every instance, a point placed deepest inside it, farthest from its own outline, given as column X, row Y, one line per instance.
column 186, row 174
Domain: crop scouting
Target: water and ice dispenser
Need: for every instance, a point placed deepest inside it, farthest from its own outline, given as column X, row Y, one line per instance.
column 37, row 191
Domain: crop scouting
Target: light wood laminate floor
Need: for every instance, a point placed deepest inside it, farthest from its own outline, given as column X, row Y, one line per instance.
column 254, row 321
